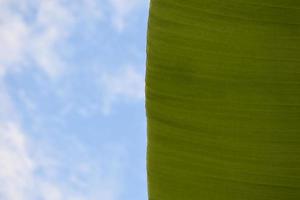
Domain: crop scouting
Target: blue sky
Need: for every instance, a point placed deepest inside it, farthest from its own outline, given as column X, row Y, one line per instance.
column 72, row 113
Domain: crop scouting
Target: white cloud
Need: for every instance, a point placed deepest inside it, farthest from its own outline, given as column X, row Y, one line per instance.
column 127, row 85
column 33, row 32
column 13, row 34
column 53, row 25
column 122, row 9
column 21, row 165
column 31, row 169
column 16, row 167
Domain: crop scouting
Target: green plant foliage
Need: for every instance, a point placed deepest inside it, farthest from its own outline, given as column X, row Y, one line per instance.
column 223, row 100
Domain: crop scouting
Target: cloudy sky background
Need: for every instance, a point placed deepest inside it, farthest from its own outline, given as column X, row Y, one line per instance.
column 72, row 117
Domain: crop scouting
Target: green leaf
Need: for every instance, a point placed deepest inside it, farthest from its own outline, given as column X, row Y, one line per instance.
column 223, row 100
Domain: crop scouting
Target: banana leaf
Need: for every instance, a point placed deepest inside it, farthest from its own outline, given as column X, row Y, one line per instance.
column 223, row 100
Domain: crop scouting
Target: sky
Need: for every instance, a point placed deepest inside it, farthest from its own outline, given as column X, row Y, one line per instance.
column 72, row 111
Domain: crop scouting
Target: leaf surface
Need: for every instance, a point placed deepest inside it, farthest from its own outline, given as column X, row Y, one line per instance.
column 223, row 100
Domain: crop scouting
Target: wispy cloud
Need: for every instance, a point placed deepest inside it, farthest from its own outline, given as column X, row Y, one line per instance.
column 16, row 167
column 35, row 36
column 127, row 84
column 30, row 173
column 33, row 169
column 32, row 32
column 121, row 10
